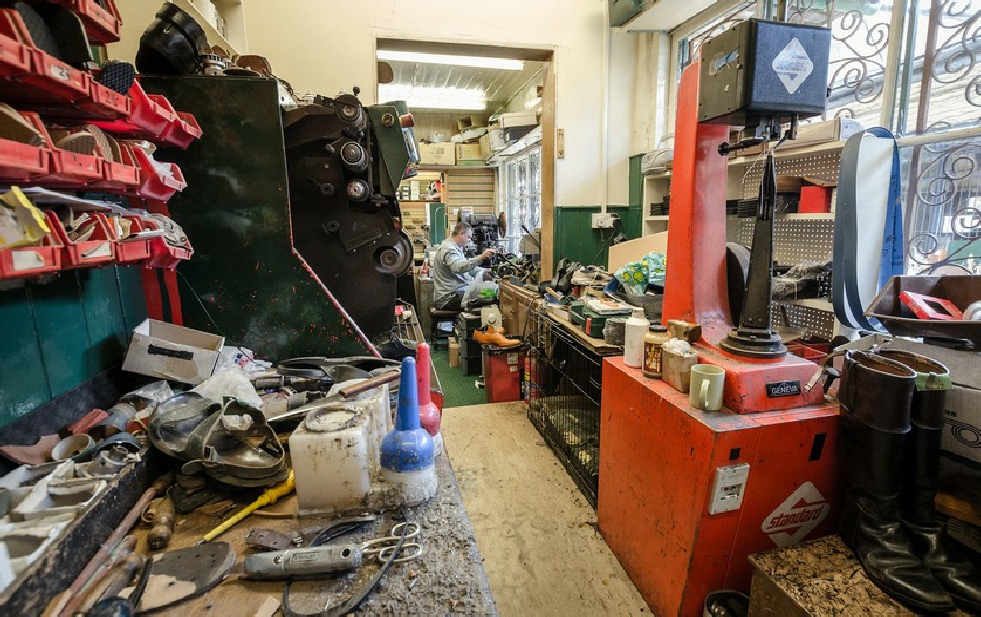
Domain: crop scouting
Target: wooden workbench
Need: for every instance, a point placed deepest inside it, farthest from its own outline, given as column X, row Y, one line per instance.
column 598, row 346
column 448, row 578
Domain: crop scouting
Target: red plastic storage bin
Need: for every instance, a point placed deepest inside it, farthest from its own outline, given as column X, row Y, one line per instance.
column 148, row 117
column 97, row 250
column 120, row 177
column 30, row 261
column 21, row 162
column 162, row 254
column 155, row 185
column 182, row 131
column 131, row 250
column 15, row 58
column 101, row 24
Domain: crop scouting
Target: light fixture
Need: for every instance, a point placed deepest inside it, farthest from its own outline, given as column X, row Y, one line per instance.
column 480, row 62
column 425, row 97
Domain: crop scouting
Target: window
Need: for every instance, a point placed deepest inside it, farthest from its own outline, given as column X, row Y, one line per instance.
column 522, row 195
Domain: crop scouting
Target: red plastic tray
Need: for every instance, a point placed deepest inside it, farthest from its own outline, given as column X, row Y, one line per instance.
column 121, row 177
column 182, row 131
column 163, row 255
column 15, row 58
column 21, row 162
column 155, row 185
column 101, row 25
column 30, row 261
column 133, row 250
column 98, row 250
column 147, row 118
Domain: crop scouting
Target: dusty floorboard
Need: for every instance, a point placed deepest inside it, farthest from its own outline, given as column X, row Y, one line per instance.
column 533, row 529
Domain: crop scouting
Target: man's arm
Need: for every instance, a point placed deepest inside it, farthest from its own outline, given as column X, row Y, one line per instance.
column 457, row 265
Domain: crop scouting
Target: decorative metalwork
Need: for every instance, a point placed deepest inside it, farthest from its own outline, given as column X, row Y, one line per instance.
column 953, row 49
column 946, row 207
column 860, row 38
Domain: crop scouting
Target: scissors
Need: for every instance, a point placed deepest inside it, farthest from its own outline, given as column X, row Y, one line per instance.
column 382, row 548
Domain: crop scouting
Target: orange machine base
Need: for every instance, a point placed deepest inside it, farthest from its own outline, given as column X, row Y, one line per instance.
column 658, row 464
column 753, row 386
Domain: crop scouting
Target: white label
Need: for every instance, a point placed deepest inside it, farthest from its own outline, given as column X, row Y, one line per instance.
column 793, row 65
column 797, row 516
column 59, row 72
column 729, row 488
column 26, row 260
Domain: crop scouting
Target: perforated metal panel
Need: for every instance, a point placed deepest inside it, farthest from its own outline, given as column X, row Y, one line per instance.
column 804, row 164
column 815, row 321
column 795, row 241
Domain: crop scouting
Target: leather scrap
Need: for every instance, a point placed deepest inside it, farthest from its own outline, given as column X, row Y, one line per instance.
column 267, row 540
column 185, row 573
column 36, row 454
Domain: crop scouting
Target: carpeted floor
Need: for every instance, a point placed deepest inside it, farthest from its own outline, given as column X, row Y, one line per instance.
column 458, row 389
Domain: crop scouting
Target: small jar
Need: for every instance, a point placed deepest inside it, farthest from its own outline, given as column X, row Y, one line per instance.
column 653, row 341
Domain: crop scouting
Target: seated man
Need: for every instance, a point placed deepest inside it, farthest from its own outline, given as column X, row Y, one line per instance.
column 452, row 271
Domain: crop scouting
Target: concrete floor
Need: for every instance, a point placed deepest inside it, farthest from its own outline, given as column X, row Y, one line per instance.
column 536, row 532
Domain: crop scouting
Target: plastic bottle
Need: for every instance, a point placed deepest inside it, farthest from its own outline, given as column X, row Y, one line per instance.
column 407, row 451
column 429, row 415
column 653, row 341
column 633, row 338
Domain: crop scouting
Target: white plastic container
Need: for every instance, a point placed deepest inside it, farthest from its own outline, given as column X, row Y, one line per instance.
column 331, row 463
column 412, row 487
column 633, row 339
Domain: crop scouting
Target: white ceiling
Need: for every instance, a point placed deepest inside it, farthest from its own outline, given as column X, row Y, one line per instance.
column 499, row 85
column 665, row 15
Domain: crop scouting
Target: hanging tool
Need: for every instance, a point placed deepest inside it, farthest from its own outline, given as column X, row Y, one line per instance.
column 158, row 487
column 163, row 524
column 270, row 497
column 317, row 560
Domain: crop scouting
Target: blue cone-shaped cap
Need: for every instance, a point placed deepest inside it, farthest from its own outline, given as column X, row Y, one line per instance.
column 409, row 447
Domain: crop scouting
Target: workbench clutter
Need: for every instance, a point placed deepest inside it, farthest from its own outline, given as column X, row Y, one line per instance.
column 245, row 433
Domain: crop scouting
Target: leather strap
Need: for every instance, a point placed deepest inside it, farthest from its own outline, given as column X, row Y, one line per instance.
column 856, row 233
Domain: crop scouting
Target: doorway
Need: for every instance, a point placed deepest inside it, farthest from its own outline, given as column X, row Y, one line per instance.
column 508, row 166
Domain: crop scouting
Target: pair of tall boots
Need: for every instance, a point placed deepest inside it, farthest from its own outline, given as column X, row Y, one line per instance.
column 892, row 421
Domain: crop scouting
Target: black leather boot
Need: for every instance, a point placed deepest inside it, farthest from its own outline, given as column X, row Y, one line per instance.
column 875, row 396
column 921, row 468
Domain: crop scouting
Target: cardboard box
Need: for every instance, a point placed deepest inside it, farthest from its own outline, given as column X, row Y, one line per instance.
column 443, row 153
column 520, row 118
column 468, row 122
column 165, row 351
column 454, row 354
column 468, row 152
column 496, row 135
column 838, row 129
column 962, row 425
column 485, row 147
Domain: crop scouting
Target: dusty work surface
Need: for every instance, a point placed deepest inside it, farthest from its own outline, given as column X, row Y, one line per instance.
column 820, row 578
column 447, row 579
column 535, row 531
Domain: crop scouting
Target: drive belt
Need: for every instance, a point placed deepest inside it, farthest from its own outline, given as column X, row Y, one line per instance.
column 857, row 229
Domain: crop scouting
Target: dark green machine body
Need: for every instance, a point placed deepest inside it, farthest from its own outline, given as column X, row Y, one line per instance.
column 258, row 290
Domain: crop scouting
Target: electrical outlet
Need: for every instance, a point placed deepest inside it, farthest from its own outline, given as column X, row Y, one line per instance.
column 604, row 220
column 729, row 488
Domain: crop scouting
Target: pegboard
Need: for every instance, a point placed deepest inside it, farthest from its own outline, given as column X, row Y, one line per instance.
column 815, row 321
column 803, row 163
column 794, row 241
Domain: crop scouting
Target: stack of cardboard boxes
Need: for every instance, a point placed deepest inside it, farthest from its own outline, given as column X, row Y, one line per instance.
column 475, row 141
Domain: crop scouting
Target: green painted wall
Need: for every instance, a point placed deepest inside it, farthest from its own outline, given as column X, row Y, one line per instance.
column 576, row 239
column 635, row 192
column 62, row 332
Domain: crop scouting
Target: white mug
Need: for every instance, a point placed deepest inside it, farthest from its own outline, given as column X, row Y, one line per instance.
column 706, row 387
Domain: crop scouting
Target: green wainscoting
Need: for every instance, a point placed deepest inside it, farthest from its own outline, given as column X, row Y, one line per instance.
column 65, row 331
column 576, row 239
